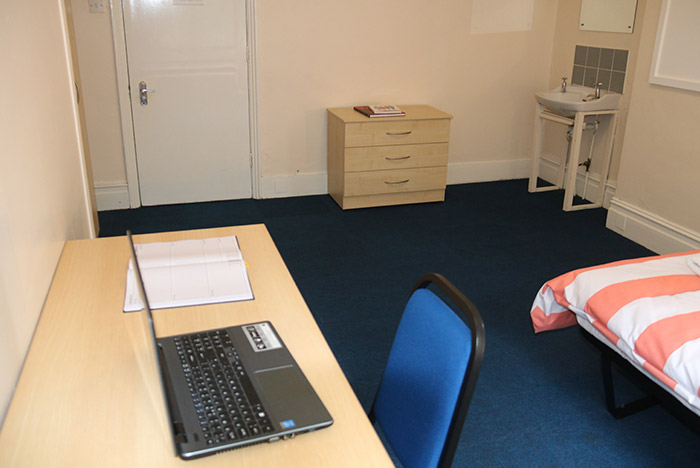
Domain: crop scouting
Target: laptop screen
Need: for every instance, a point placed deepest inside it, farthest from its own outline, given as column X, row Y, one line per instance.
column 151, row 331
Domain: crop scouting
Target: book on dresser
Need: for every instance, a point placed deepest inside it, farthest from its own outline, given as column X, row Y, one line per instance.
column 380, row 111
column 385, row 109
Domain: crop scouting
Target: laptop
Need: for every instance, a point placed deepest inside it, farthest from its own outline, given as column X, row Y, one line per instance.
column 231, row 387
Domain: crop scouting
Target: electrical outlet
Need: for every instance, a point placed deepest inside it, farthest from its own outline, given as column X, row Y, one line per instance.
column 96, row 6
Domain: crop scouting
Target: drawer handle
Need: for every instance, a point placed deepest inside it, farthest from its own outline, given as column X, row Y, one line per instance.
column 399, row 133
column 401, row 158
column 397, row 182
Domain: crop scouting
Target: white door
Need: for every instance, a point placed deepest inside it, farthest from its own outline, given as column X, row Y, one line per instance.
column 188, row 80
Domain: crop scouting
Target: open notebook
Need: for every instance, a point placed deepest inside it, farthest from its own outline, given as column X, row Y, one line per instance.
column 189, row 272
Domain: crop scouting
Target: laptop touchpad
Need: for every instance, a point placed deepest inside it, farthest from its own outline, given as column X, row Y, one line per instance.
column 290, row 397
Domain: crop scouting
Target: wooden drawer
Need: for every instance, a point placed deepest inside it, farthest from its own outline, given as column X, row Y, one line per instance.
column 396, row 132
column 396, row 181
column 372, row 158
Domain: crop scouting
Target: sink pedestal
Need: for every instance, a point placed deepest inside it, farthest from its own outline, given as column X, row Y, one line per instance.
column 608, row 117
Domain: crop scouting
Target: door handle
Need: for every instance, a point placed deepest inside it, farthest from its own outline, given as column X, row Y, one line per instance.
column 143, row 93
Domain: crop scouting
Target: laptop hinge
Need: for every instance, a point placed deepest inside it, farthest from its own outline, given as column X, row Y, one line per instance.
column 178, row 427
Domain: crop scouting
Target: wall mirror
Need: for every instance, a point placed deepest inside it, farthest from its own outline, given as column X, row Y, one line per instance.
column 608, row 15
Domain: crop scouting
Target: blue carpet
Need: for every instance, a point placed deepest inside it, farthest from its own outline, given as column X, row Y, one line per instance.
column 539, row 399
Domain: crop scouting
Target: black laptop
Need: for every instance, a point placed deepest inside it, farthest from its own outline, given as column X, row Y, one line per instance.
column 231, row 387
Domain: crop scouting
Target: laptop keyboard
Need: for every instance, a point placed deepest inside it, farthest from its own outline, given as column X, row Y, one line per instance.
column 227, row 405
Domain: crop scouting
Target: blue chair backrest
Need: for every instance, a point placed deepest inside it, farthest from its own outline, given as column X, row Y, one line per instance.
column 423, row 379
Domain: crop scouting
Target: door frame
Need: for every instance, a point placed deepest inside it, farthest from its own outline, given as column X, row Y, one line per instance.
column 127, row 121
column 81, row 122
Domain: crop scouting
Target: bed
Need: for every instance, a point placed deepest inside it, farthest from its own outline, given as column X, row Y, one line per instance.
column 644, row 316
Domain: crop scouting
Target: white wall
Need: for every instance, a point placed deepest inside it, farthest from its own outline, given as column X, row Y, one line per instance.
column 312, row 55
column 42, row 185
column 657, row 200
column 567, row 37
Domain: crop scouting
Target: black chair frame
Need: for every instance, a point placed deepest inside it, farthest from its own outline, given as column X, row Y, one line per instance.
column 469, row 314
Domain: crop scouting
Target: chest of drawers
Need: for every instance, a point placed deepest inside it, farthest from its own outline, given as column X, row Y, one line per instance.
column 387, row 160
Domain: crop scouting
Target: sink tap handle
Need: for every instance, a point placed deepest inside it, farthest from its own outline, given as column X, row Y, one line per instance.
column 563, row 84
column 597, row 89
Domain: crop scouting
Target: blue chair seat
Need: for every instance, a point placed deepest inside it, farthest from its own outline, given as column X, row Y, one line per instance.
column 430, row 375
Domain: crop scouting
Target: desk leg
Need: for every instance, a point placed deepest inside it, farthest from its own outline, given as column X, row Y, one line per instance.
column 536, row 149
column 607, row 155
column 572, row 169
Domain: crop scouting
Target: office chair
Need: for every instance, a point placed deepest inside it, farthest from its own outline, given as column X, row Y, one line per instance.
column 430, row 375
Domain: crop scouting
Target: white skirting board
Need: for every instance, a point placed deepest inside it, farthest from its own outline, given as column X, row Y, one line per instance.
column 548, row 172
column 112, row 196
column 298, row 185
column 652, row 231
column 487, row 171
column 115, row 196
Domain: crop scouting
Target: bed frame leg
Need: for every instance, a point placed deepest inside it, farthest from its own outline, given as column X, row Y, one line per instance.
column 624, row 409
column 660, row 396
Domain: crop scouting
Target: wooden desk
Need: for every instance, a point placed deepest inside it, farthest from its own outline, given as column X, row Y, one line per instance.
column 88, row 396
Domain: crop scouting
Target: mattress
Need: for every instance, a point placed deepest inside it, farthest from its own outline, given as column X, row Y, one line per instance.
column 647, row 309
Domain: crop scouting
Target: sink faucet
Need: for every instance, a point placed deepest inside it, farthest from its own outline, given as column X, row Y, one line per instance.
column 563, row 84
column 597, row 90
column 595, row 96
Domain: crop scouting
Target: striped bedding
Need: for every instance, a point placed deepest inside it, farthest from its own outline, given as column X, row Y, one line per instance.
column 648, row 307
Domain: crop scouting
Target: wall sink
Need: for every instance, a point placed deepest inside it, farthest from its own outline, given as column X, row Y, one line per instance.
column 577, row 99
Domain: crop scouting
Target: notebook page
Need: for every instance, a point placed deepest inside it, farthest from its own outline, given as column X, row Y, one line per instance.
column 189, row 272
